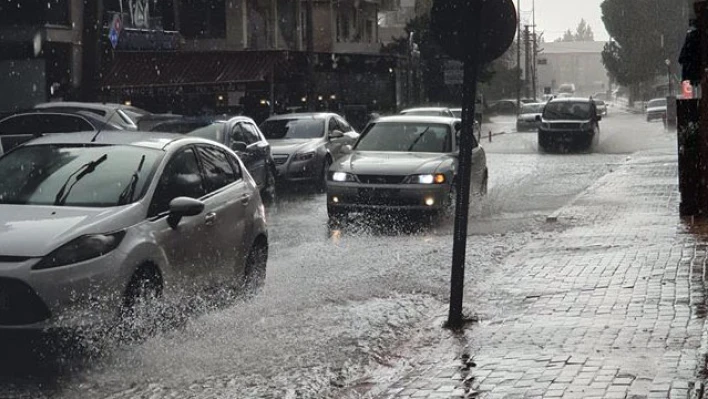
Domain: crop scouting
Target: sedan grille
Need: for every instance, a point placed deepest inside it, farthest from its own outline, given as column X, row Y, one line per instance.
column 380, row 179
column 19, row 304
column 280, row 159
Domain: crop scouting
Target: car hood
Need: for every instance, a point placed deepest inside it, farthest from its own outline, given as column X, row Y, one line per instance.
column 390, row 163
column 291, row 146
column 28, row 230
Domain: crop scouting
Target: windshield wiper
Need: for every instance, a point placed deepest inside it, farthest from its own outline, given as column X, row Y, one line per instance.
column 126, row 197
column 82, row 171
column 418, row 138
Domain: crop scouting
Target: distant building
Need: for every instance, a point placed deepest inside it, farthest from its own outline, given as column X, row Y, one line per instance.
column 579, row 63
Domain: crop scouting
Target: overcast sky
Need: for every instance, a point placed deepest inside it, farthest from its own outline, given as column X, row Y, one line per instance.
column 555, row 16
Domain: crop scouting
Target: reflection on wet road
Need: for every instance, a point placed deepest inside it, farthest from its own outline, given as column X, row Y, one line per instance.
column 338, row 298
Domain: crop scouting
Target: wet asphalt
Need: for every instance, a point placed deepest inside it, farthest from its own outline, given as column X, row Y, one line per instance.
column 338, row 300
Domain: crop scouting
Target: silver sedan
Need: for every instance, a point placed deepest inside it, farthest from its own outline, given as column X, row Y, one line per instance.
column 403, row 163
column 94, row 226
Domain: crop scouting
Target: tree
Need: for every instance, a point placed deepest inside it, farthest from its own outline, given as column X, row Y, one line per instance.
column 583, row 33
column 645, row 34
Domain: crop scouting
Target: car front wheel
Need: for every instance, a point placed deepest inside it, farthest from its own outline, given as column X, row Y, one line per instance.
column 255, row 274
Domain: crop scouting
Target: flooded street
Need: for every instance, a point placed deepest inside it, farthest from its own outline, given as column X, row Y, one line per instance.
column 340, row 301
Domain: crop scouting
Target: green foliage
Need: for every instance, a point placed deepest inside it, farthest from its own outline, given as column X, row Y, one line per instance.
column 639, row 28
column 583, row 33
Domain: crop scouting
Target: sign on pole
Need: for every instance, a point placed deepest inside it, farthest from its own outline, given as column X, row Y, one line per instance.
column 115, row 29
column 475, row 32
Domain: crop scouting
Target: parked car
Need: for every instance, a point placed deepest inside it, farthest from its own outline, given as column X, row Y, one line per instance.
column 428, row 111
column 147, row 123
column 656, row 109
column 125, row 116
column 567, row 88
column 403, row 163
column 241, row 135
column 22, row 127
column 569, row 122
column 527, row 119
column 305, row 145
column 96, row 230
column 601, row 106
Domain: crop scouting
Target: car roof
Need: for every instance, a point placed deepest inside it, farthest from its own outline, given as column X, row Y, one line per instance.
column 301, row 115
column 75, row 104
column 89, row 117
column 153, row 140
column 570, row 100
column 426, row 109
column 417, row 118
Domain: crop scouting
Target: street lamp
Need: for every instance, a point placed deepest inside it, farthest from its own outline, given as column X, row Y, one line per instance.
column 668, row 75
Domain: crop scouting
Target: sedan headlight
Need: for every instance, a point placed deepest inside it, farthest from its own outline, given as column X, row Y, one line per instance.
column 342, row 177
column 81, row 249
column 303, row 156
column 437, row 178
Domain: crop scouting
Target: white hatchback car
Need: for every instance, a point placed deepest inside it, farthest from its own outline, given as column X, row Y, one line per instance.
column 91, row 223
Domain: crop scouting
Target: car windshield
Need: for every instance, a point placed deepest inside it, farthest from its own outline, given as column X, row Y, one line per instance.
column 599, row 102
column 532, row 108
column 295, row 128
column 70, row 175
column 567, row 110
column 424, row 112
column 406, row 137
column 457, row 113
column 657, row 103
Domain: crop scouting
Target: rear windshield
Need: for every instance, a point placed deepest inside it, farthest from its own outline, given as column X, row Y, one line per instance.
column 293, row 128
column 657, row 103
column 568, row 110
column 532, row 108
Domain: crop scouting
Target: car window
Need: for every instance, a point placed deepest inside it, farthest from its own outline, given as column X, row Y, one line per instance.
column 250, row 133
column 180, row 178
column 218, row 171
column 301, row 128
column 238, row 134
column 76, row 175
column 344, row 126
column 43, row 123
column 332, row 126
column 569, row 110
column 406, row 137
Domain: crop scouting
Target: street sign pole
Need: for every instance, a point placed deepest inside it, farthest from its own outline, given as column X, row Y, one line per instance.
column 459, row 248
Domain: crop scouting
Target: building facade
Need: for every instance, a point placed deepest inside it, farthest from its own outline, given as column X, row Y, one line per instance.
column 579, row 63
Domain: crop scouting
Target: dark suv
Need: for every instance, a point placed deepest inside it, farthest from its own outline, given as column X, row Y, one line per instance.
column 569, row 123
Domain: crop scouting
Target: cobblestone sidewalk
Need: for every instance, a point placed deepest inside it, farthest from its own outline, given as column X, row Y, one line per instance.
column 611, row 307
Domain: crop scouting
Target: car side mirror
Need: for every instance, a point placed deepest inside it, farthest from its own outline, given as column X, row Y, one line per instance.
column 347, row 149
column 181, row 207
column 239, row 146
column 335, row 134
column 538, row 118
column 458, row 126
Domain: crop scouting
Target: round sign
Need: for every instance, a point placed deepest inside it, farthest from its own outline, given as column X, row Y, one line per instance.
column 474, row 30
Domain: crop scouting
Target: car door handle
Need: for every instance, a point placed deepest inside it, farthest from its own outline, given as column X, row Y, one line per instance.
column 210, row 219
column 245, row 199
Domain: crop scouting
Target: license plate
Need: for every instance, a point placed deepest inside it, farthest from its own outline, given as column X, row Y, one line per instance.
column 371, row 193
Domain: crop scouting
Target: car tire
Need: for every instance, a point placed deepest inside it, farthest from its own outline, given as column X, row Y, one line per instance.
column 485, row 183
column 269, row 192
column 141, row 305
column 322, row 180
column 255, row 269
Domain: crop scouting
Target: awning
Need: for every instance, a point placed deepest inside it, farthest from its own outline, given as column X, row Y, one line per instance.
column 160, row 69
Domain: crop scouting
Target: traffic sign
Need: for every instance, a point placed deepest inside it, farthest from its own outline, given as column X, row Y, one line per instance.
column 115, row 29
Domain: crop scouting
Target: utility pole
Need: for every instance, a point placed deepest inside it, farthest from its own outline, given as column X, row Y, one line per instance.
column 535, row 51
column 91, row 49
column 527, row 60
column 310, row 39
column 518, row 58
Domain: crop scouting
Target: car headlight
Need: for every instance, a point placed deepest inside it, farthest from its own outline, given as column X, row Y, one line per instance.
column 303, row 156
column 342, row 177
column 437, row 178
column 81, row 249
